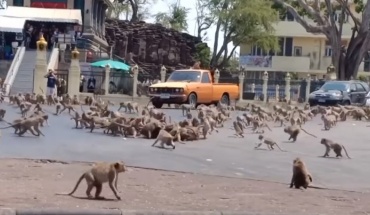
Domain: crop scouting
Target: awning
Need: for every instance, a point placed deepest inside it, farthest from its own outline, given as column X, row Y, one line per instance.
column 45, row 14
column 12, row 24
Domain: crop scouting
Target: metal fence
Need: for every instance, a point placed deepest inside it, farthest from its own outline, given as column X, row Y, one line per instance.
column 121, row 83
column 89, row 76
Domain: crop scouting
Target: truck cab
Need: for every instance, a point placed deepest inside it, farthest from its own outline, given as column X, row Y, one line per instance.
column 192, row 86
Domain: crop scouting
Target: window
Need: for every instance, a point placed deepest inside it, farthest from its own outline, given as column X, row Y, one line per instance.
column 289, row 16
column 328, row 51
column 288, row 46
column 297, row 50
column 353, row 87
column 281, row 46
column 18, row 3
column 338, row 18
column 205, row 78
column 360, row 88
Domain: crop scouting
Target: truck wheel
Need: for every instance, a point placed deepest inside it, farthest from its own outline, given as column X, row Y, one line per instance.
column 157, row 104
column 225, row 99
column 192, row 99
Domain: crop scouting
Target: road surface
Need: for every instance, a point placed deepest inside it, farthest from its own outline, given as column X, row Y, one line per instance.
column 221, row 154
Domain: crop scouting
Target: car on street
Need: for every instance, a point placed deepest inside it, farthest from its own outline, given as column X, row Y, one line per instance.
column 340, row 92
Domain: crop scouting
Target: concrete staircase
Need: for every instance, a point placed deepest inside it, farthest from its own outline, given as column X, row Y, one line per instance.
column 23, row 82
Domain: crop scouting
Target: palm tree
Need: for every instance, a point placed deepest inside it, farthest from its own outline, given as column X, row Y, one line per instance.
column 175, row 19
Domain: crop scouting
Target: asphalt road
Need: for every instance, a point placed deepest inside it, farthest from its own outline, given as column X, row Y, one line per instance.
column 220, row 154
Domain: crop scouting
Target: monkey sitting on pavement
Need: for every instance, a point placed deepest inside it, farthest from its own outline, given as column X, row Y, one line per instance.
column 337, row 148
column 101, row 173
column 301, row 177
column 269, row 142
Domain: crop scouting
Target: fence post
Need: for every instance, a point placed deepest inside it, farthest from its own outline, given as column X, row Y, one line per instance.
column 106, row 79
column 135, row 71
column 241, row 83
column 74, row 74
column 39, row 82
column 277, row 93
column 264, row 87
column 287, row 87
column 308, row 87
column 217, row 76
column 163, row 73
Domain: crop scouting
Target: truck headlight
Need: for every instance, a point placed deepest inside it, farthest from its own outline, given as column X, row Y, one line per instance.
column 181, row 90
column 311, row 95
column 336, row 94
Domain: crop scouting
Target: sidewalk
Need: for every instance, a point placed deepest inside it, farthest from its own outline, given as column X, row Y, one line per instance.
column 27, row 184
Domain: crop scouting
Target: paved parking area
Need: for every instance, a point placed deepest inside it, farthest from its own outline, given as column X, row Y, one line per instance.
column 220, row 154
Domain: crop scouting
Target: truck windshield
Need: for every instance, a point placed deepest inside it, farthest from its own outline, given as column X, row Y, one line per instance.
column 188, row 76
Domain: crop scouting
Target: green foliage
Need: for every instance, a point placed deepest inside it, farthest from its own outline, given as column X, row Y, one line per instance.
column 203, row 54
column 175, row 19
column 359, row 5
column 244, row 21
column 363, row 78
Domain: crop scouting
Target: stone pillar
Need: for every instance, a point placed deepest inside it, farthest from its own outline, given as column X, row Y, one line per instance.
column 39, row 81
column 308, row 87
column 241, row 85
column 163, row 73
column 264, row 87
column 277, row 92
column 287, row 87
column 217, row 76
column 104, row 10
column 253, row 88
column 74, row 74
column 95, row 12
column 135, row 71
column 106, row 79
column 99, row 17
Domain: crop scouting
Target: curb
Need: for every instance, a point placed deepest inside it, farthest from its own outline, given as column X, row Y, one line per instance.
column 11, row 211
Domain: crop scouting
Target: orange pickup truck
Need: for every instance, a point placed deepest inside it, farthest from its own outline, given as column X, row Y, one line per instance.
column 192, row 86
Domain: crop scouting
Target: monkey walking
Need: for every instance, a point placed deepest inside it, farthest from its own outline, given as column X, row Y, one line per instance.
column 293, row 132
column 269, row 142
column 165, row 138
column 100, row 173
column 337, row 148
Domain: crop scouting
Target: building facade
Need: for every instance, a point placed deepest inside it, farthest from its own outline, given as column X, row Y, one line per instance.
column 300, row 51
column 93, row 13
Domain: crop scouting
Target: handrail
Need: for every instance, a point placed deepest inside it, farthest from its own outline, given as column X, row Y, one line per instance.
column 13, row 70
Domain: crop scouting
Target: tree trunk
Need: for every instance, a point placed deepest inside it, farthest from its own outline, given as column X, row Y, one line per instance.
column 135, row 10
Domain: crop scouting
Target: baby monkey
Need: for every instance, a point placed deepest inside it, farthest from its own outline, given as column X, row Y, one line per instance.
column 337, row 148
column 269, row 142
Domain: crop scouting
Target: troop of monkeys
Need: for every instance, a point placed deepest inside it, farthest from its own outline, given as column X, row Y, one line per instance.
column 152, row 123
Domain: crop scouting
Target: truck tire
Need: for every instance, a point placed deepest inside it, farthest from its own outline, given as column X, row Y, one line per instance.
column 157, row 104
column 192, row 99
column 225, row 99
column 346, row 102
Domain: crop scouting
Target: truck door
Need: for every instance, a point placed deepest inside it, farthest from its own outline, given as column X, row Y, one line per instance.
column 205, row 89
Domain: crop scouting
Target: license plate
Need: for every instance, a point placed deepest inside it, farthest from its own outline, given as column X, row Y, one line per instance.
column 322, row 100
column 165, row 96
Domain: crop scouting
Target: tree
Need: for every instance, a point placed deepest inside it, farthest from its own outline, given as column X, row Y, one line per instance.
column 204, row 18
column 175, row 19
column 137, row 7
column 242, row 21
column 203, row 54
column 119, row 9
column 346, row 60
